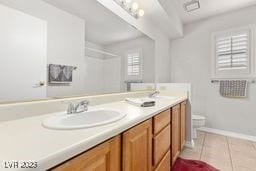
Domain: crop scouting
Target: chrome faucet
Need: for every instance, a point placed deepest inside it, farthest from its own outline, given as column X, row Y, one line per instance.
column 82, row 106
column 78, row 108
column 70, row 108
column 153, row 94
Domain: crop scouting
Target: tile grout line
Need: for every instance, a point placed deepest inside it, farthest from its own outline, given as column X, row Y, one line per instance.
column 230, row 154
column 202, row 146
column 253, row 145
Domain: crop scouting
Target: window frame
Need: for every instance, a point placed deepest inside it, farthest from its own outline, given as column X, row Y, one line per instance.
column 134, row 77
column 236, row 73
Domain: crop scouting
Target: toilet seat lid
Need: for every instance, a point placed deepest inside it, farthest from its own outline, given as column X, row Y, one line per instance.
column 198, row 117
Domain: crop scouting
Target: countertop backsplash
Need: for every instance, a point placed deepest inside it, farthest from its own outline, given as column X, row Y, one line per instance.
column 21, row 110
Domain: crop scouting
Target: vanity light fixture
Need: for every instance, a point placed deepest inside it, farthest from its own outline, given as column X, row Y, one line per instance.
column 192, row 5
column 131, row 7
column 141, row 12
column 135, row 6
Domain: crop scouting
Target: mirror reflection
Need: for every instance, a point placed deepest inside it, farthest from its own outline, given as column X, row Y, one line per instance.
column 75, row 50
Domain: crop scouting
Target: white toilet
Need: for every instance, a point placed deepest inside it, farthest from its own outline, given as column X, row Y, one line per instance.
column 198, row 122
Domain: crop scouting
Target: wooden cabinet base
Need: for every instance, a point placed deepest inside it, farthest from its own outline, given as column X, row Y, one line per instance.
column 104, row 157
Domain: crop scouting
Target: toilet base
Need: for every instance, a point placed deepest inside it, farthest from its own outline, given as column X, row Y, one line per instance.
column 198, row 122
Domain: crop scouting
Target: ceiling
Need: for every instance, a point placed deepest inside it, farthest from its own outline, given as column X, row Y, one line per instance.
column 102, row 26
column 210, row 8
column 167, row 21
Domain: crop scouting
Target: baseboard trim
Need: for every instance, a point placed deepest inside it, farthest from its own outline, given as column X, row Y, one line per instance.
column 190, row 144
column 229, row 133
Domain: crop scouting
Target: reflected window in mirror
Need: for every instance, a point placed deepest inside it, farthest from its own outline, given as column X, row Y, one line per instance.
column 134, row 65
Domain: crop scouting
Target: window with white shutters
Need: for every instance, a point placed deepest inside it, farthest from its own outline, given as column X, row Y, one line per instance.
column 133, row 65
column 232, row 53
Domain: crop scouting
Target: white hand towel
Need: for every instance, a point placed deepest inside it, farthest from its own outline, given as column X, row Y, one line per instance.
column 142, row 102
column 233, row 88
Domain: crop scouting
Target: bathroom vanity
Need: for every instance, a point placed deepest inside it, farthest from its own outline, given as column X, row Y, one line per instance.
column 153, row 144
column 147, row 138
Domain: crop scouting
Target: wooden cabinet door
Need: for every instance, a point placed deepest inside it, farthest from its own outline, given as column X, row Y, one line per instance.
column 183, row 125
column 137, row 148
column 104, row 157
column 175, row 132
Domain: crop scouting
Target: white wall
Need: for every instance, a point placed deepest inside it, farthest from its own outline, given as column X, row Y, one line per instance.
column 112, row 75
column 190, row 62
column 94, row 83
column 103, row 71
column 148, row 52
column 162, row 59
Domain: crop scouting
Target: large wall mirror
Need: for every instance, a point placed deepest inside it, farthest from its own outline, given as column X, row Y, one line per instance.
column 63, row 48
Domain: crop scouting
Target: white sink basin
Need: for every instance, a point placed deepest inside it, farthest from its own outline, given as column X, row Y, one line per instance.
column 88, row 119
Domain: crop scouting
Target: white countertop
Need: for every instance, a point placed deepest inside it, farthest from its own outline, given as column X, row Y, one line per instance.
column 27, row 139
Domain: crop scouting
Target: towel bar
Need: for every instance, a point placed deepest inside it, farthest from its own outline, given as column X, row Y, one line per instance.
column 74, row 67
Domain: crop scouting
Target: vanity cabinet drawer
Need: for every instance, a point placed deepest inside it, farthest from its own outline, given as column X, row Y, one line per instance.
column 165, row 164
column 161, row 144
column 161, row 120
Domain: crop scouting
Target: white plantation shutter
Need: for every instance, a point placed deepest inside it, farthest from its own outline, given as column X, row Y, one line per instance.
column 133, row 64
column 232, row 52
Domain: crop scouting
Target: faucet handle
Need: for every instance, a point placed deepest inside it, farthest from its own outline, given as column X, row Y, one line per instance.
column 85, row 102
column 153, row 94
column 82, row 106
column 71, row 108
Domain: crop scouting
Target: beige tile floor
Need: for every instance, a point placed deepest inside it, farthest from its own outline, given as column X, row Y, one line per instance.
column 224, row 153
